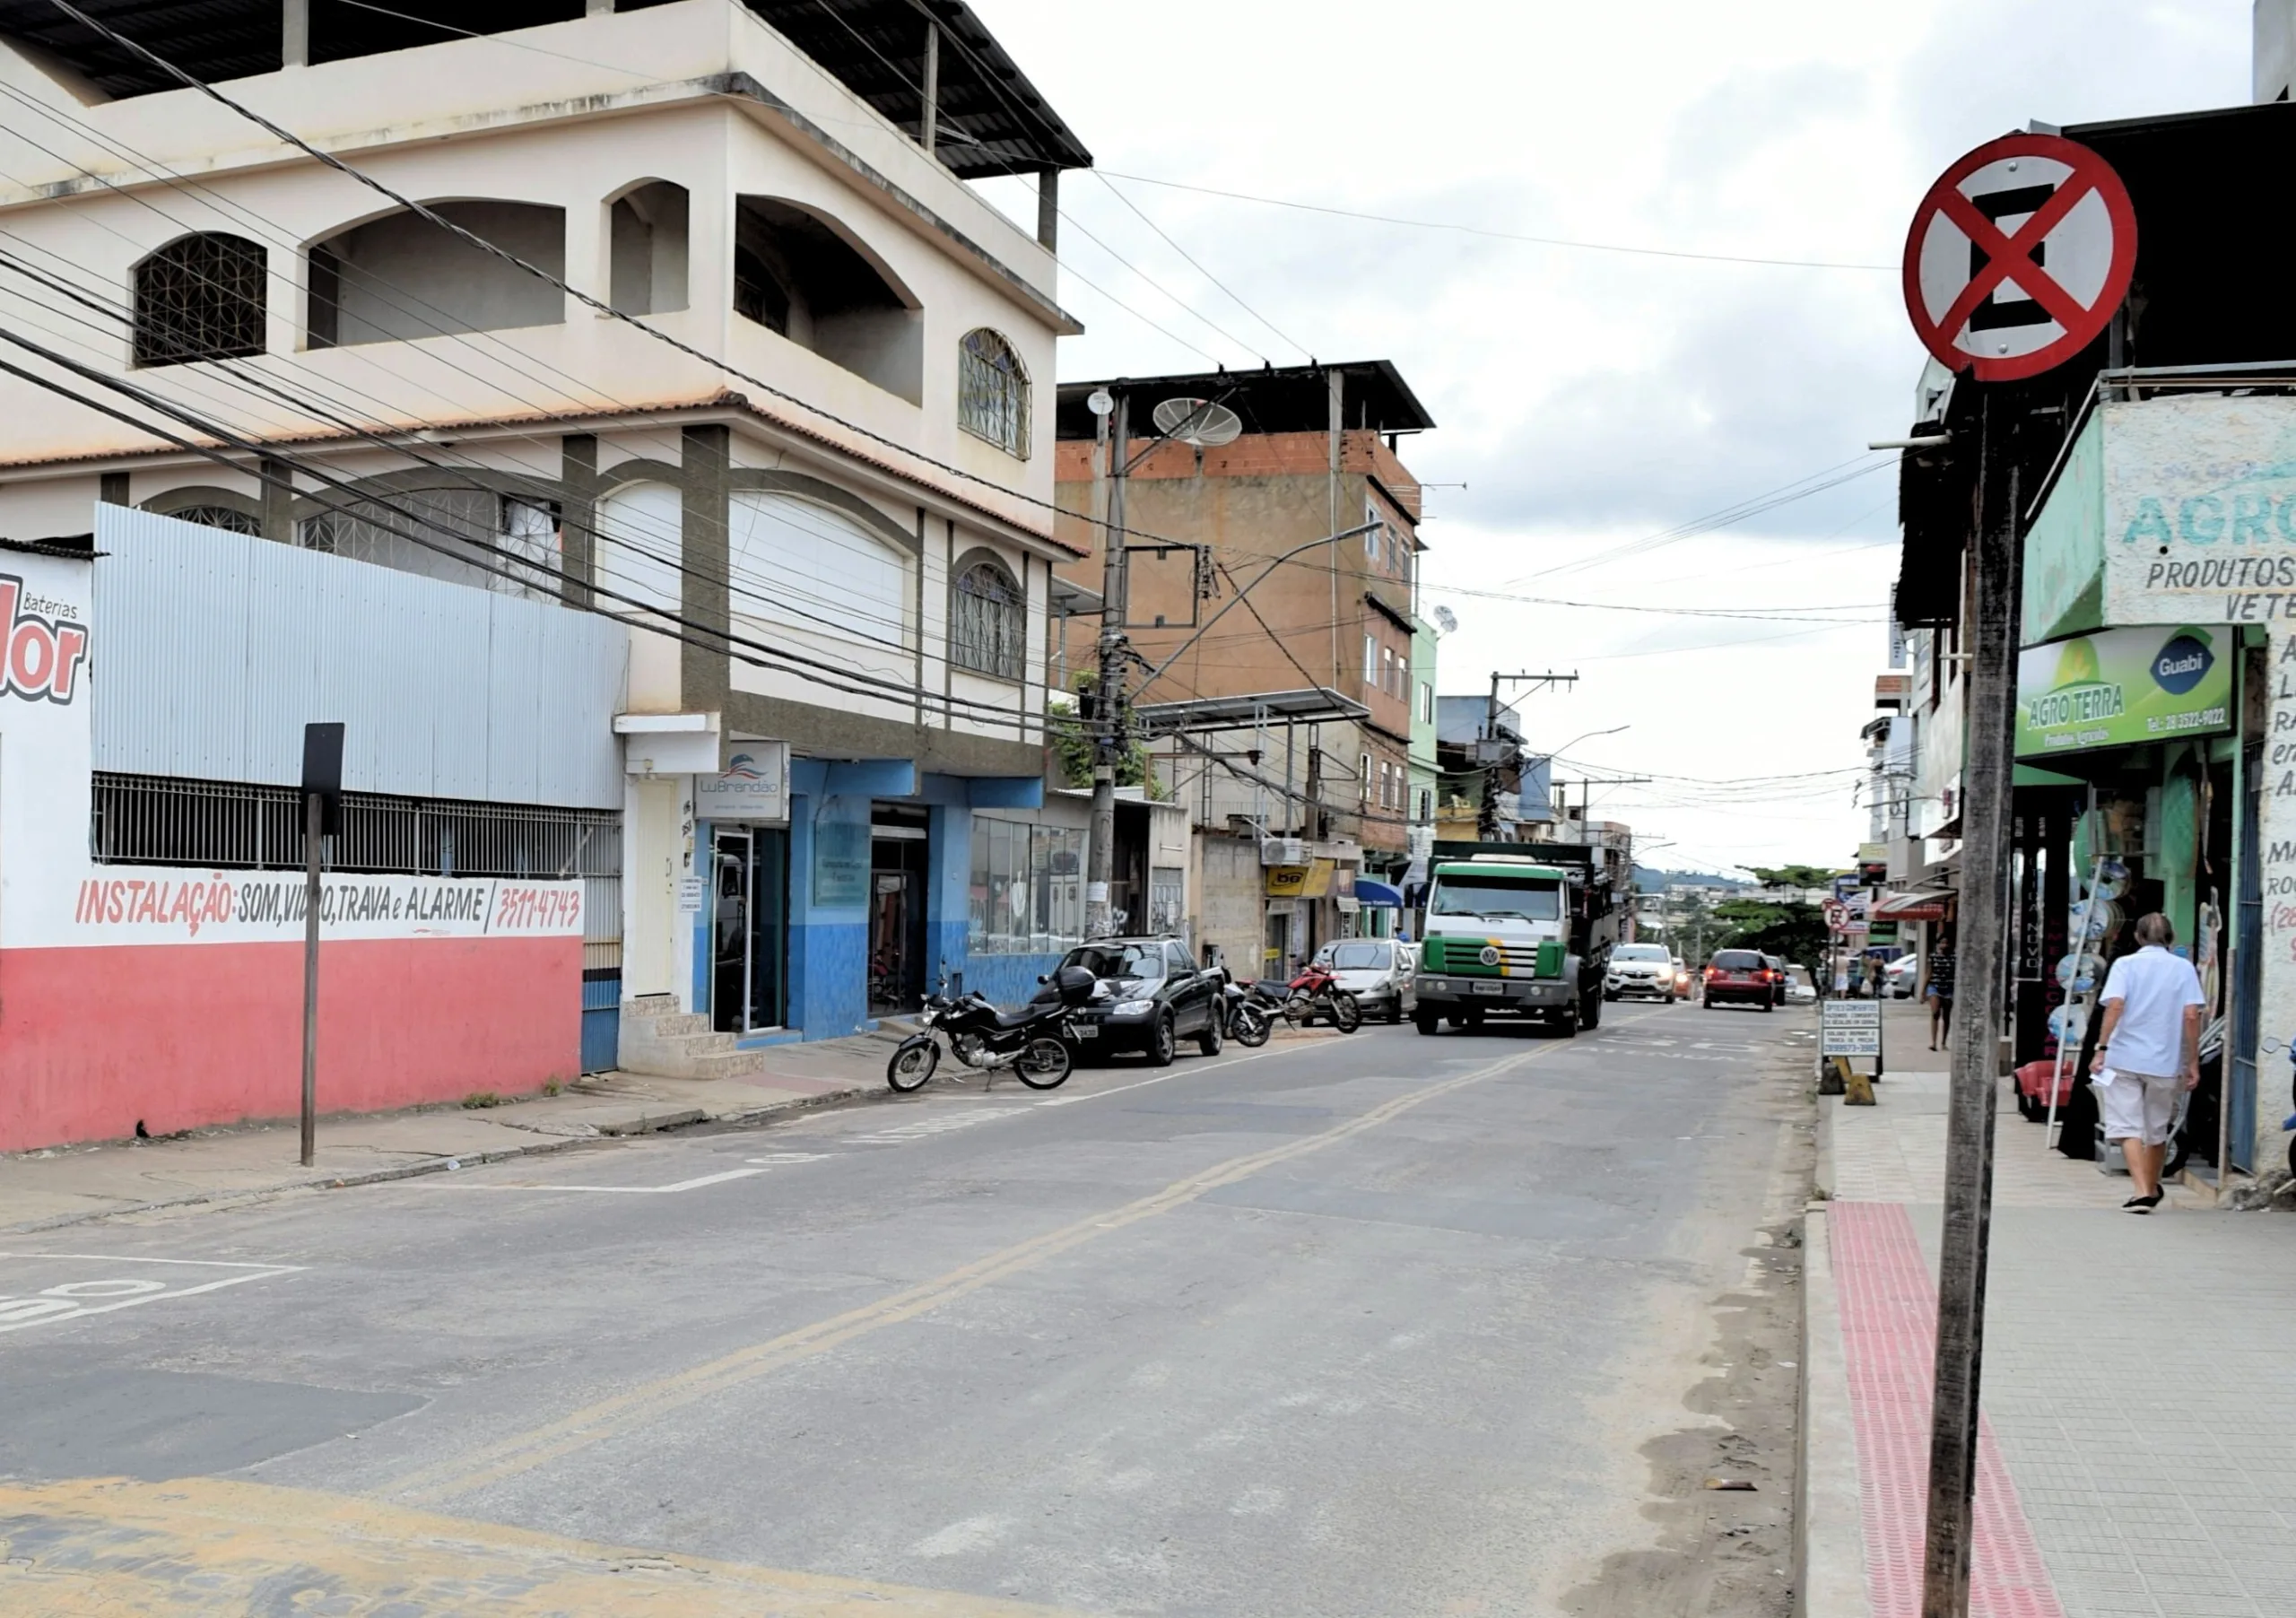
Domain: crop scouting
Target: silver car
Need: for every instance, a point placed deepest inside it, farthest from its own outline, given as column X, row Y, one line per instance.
column 1379, row 972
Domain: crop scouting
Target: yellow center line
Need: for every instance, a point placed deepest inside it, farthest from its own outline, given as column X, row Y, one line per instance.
column 638, row 1407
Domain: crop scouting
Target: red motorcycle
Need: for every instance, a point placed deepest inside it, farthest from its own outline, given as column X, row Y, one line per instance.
column 1314, row 993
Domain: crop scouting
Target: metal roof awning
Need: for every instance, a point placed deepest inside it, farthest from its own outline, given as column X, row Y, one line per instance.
column 1315, row 705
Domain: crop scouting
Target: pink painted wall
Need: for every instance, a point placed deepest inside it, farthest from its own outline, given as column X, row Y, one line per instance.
column 185, row 1035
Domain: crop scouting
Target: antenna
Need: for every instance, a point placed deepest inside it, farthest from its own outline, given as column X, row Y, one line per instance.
column 1446, row 622
column 1197, row 422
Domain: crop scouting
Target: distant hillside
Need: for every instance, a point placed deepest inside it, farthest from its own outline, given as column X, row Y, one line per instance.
column 1649, row 881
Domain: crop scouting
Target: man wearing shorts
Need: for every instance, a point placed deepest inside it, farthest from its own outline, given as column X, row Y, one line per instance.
column 2148, row 1049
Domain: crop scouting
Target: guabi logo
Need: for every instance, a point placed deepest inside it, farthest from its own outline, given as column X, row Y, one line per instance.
column 41, row 651
column 2182, row 664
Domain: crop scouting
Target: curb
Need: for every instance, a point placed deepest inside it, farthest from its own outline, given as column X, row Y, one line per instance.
column 644, row 1124
column 1829, row 1515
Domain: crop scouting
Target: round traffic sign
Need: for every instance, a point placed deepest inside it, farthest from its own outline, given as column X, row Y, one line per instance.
column 2018, row 256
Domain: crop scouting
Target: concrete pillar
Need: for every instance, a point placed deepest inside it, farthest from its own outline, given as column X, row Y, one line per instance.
column 278, row 497
column 295, row 33
column 928, row 114
column 579, row 513
column 706, row 676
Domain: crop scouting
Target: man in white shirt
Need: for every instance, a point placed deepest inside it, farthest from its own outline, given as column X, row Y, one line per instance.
column 2152, row 1031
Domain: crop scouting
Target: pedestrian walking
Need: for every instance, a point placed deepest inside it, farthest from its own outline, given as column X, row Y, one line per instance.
column 1940, row 992
column 2148, row 1048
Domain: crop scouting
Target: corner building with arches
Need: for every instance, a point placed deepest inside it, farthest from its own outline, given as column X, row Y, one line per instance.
column 694, row 323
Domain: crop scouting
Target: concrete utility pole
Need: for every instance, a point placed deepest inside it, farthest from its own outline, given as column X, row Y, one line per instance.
column 1986, row 780
column 1110, row 733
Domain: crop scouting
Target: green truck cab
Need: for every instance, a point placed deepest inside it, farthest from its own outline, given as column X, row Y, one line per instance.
column 1512, row 935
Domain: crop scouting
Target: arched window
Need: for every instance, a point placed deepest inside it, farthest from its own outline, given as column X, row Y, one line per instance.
column 225, row 517
column 200, row 298
column 993, row 391
column 987, row 619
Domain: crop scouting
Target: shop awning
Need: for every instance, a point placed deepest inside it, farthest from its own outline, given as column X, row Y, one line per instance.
column 1378, row 894
column 1912, row 907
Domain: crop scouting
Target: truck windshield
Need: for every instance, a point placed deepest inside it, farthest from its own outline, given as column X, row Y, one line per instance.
column 1497, row 896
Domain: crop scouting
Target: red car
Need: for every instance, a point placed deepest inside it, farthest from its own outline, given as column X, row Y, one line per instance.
column 1745, row 976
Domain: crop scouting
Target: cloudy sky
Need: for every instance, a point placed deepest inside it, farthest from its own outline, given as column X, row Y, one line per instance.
column 1595, row 404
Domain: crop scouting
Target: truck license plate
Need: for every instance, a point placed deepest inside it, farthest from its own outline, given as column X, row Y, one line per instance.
column 1489, row 989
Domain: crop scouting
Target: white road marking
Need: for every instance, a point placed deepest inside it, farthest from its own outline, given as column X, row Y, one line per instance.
column 1175, row 1073
column 683, row 1185
column 72, row 1299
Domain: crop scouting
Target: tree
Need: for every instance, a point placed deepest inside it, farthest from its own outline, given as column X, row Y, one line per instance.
column 1792, row 876
column 1072, row 741
column 1792, row 932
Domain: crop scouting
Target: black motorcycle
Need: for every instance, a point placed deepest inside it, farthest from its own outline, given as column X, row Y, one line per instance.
column 1034, row 1040
column 1249, row 1023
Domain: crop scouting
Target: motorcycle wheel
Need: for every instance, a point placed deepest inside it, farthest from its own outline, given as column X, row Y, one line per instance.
column 911, row 1065
column 1247, row 1025
column 1045, row 1064
column 1345, row 1016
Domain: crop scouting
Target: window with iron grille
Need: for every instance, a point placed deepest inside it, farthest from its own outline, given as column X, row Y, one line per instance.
column 993, row 391
column 987, row 619
column 226, row 518
column 154, row 820
column 200, row 298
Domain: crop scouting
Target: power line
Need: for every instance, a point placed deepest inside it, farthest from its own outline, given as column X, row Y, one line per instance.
column 1545, row 241
column 596, row 305
column 1237, row 298
column 513, row 567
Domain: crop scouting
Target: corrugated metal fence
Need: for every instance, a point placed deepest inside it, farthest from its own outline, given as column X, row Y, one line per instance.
column 218, row 648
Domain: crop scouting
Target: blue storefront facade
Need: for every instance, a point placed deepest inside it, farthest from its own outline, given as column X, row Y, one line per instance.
column 886, row 883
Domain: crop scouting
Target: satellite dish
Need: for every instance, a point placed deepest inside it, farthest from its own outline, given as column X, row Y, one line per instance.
column 1198, row 422
column 1446, row 620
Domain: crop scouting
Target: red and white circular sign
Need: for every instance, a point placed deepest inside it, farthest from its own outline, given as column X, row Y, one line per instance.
column 2018, row 256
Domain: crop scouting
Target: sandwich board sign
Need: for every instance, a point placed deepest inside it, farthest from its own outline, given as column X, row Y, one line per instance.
column 1849, row 1027
column 2018, row 256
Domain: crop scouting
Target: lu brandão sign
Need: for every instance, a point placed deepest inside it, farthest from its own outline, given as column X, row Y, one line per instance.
column 2119, row 687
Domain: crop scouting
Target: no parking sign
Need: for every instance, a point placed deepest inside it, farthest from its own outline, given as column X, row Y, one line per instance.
column 2018, row 256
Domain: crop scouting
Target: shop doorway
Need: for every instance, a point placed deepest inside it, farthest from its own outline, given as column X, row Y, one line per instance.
column 749, row 964
column 898, row 866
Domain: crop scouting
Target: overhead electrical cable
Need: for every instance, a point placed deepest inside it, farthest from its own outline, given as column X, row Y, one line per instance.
column 1545, row 241
column 588, row 301
column 514, row 567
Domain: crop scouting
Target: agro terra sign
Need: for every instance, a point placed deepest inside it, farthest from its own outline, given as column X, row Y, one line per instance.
column 2119, row 687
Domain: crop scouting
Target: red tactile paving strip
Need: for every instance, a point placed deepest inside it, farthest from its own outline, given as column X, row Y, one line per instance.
column 1889, row 1329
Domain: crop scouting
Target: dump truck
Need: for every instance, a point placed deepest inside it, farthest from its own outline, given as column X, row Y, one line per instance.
column 1520, row 930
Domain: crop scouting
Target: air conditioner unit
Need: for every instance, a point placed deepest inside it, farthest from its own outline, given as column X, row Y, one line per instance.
column 1283, row 851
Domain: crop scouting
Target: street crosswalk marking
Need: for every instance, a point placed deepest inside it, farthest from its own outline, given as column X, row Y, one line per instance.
column 47, row 1288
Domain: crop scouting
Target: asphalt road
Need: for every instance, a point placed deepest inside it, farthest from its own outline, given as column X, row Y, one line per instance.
column 1377, row 1324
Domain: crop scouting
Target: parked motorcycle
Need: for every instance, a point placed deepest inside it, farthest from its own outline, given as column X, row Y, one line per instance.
column 1247, row 1022
column 1314, row 993
column 1034, row 1040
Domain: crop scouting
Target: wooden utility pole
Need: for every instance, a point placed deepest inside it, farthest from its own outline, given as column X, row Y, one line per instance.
column 1986, row 780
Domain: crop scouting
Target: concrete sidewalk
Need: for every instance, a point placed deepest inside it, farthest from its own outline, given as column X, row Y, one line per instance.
column 2140, row 1385
column 64, row 1185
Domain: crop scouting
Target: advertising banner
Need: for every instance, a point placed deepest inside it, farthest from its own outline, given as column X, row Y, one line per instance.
column 165, row 904
column 2119, row 687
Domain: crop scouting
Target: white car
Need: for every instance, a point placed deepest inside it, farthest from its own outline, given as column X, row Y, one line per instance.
column 1379, row 972
column 1644, row 970
column 1900, row 975
column 1799, row 989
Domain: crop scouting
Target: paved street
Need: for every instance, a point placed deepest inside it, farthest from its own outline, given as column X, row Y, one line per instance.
column 1377, row 1324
